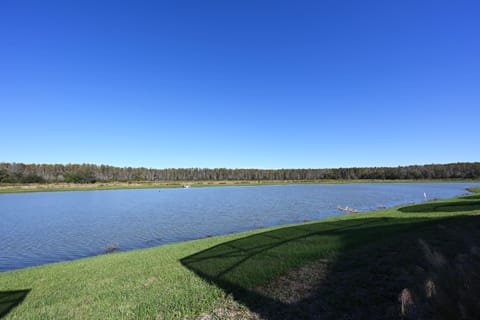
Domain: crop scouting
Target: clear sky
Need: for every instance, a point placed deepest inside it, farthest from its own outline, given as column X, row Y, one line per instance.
column 240, row 84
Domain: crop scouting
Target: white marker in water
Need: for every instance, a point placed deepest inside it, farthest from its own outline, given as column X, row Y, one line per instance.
column 425, row 195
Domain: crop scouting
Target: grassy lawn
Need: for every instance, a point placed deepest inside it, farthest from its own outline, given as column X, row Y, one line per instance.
column 354, row 266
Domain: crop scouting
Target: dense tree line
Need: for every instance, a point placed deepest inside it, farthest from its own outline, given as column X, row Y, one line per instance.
column 89, row 173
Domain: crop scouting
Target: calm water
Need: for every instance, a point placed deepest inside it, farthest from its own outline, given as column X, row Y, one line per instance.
column 39, row 228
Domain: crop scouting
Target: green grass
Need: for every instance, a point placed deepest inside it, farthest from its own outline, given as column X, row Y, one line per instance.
column 186, row 280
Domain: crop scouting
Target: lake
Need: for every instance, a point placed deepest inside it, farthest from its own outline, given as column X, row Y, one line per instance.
column 40, row 228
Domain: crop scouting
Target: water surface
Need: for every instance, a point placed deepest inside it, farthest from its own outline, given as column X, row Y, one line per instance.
column 39, row 228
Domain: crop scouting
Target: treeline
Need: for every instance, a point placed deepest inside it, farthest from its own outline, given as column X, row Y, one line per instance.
column 90, row 173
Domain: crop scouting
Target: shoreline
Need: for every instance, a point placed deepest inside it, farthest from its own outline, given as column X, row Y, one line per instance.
column 194, row 279
column 98, row 186
column 347, row 214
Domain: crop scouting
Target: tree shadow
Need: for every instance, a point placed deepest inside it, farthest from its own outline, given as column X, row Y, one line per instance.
column 346, row 286
column 443, row 206
column 11, row 299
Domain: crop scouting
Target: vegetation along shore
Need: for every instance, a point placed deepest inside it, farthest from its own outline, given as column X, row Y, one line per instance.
column 19, row 177
column 418, row 261
column 90, row 173
column 56, row 187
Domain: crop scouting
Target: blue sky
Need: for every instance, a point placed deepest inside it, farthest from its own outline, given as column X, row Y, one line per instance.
column 240, row 84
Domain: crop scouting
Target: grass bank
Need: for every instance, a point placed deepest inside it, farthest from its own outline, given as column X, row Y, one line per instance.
column 400, row 262
column 55, row 187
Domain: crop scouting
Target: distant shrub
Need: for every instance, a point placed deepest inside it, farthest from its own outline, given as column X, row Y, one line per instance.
column 5, row 176
column 31, row 178
column 17, row 177
column 80, row 177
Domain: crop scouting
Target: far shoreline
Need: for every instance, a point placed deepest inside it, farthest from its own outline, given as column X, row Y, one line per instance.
column 98, row 186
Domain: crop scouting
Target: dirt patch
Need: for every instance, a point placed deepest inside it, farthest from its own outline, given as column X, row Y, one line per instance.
column 232, row 311
column 298, row 284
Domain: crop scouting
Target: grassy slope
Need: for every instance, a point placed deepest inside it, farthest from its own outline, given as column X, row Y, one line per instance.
column 185, row 280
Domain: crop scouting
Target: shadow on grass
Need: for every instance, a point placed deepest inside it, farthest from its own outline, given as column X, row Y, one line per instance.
column 444, row 206
column 11, row 299
column 345, row 287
